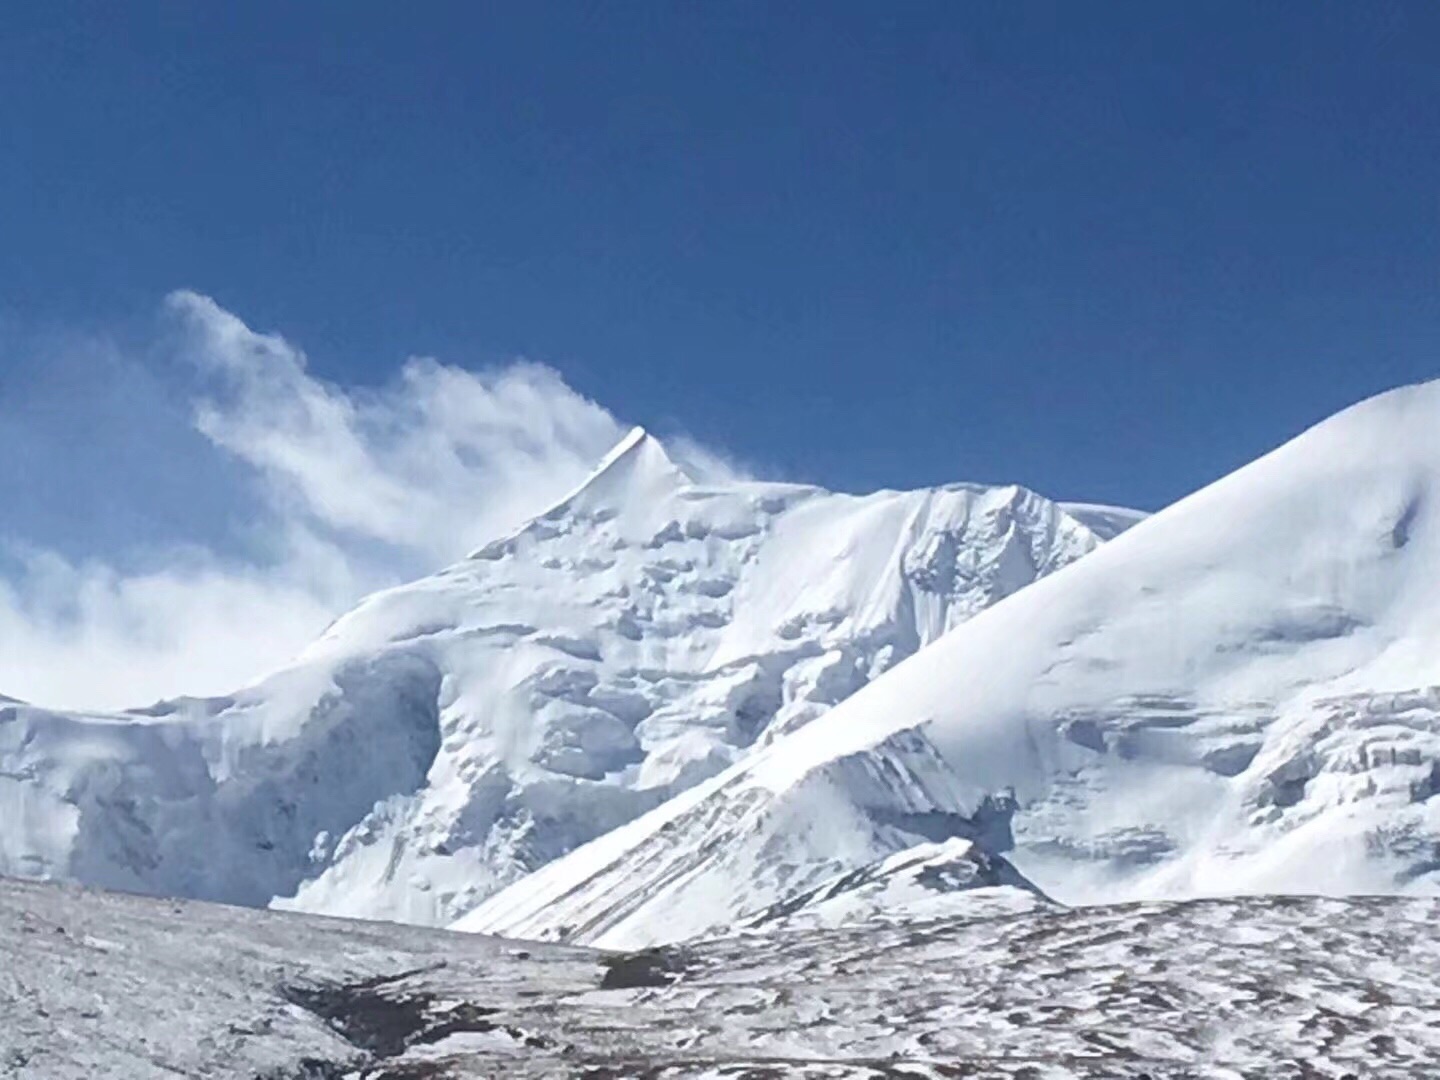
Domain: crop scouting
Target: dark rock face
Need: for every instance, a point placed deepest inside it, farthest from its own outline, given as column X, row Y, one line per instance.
column 646, row 968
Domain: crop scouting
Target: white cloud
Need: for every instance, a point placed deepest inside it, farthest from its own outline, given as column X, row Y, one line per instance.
column 360, row 489
column 86, row 635
column 432, row 464
column 706, row 464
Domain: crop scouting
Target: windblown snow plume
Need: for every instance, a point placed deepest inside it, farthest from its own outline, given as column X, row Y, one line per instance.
column 433, row 463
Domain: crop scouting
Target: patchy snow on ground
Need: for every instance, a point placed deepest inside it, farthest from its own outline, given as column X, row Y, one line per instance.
column 133, row 988
column 953, row 879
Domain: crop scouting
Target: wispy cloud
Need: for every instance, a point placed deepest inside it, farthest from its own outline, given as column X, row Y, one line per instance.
column 427, row 464
column 357, row 489
column 84, row 634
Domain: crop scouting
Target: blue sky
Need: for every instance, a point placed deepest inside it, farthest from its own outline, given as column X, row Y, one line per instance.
column 1109, row 251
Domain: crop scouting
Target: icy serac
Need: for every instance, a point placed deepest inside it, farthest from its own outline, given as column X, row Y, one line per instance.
column 1240, row 694
column 449, row 736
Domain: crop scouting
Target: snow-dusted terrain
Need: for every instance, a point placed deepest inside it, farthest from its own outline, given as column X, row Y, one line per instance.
column 447, row 737
column 956, row 879
column 1237, row 695
column 104, row 985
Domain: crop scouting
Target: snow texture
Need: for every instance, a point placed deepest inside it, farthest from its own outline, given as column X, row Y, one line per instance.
column 131, row 988
column 1240, row 694
column 448, row 737
column 953, row 879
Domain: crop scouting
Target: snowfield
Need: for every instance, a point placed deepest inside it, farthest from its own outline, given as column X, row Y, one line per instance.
column 106, row 985
column 448, row 737
column 1237, row 695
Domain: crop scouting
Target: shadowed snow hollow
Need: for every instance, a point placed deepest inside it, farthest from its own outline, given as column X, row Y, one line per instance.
column 1238, row 694
column 447, row 737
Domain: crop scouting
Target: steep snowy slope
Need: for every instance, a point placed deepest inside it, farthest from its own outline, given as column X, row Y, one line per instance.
column 1239, row 694
column 449, row 736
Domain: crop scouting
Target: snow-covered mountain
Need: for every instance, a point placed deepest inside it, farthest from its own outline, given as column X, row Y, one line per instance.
column 448, row 737
column 1240, row 694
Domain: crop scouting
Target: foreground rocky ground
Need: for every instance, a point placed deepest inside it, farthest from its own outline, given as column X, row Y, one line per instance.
column 106, row 985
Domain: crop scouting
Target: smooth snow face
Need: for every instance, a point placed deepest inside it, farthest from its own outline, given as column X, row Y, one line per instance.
column 447, row 737
column 1236, row 695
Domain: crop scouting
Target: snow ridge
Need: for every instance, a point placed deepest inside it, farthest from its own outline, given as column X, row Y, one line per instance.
column 952, row 879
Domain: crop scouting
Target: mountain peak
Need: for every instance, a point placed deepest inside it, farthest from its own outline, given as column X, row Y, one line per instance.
column 637, row 467
column 636, row 471
column 638, row 449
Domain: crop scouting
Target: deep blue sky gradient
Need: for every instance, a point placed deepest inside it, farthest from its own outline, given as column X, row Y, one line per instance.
column 1110, row 250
